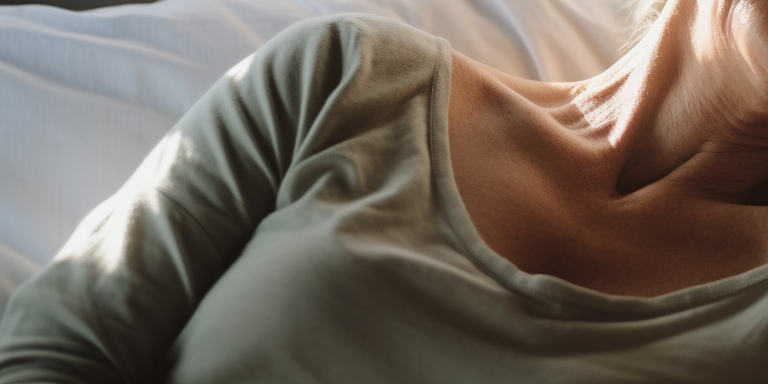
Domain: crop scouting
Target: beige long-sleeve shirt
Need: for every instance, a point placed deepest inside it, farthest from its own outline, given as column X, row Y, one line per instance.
column 301, row 225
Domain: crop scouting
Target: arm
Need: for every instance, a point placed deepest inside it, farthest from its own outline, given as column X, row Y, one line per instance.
column 116, row 297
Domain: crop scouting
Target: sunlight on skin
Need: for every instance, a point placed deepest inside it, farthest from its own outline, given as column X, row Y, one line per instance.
column 752, row 42
column 736, row 39
column 738, row 29
column 619, row 130
column 609, row 116
column 694, row 84
column 702, row 32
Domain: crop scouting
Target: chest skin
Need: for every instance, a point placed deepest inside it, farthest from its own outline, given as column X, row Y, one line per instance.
column 542, row 194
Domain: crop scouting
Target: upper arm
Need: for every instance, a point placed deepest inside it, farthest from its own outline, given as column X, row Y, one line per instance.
column 115, row 298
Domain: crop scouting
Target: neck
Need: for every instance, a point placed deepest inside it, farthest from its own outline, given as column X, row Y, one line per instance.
column 683, row 108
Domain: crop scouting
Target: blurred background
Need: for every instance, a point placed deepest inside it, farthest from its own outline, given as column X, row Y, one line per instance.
column 75, row 5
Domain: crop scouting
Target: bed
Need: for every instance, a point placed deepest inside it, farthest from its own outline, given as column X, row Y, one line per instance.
column 84, row 96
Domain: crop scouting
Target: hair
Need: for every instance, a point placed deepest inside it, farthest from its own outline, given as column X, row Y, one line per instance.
column 642, row 15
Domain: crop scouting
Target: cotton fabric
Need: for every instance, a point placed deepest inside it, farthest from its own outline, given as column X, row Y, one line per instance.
column 85, row 96
column 301, row 225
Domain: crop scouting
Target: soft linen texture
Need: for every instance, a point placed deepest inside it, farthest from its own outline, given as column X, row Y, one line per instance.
column 301, row 224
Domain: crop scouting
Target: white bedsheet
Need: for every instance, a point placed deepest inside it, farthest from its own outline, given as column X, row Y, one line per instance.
column 84, row 96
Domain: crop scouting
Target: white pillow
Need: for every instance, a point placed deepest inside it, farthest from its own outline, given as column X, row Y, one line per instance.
column 84, row 96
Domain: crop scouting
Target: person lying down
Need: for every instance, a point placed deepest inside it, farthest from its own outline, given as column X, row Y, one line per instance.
column 358, row 203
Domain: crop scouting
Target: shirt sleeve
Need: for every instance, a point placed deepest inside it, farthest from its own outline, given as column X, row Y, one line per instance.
column 109, row 306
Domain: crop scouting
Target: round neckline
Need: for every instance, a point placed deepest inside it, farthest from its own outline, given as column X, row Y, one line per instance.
column 553, row 290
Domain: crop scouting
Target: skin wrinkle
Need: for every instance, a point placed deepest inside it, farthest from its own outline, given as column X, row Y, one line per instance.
column 643, row 180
